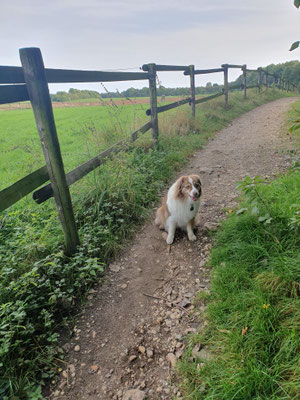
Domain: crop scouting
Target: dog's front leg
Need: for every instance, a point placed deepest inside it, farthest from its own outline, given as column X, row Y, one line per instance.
column 171, row 231
column 192, row 237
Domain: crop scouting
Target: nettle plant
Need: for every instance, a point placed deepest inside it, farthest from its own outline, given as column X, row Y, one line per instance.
column 295, row 125
column 250, row 188
column 261, row 204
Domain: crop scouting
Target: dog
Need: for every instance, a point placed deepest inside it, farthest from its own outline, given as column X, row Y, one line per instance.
column 179, row 207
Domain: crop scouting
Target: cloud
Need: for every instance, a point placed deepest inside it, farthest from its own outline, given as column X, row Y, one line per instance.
column 119, row 34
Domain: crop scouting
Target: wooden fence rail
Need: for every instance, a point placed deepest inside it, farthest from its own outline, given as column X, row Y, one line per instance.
column 23, row 187
column 170, row 106
column 30, row 82
column 158, row 67
column 204, row 71
column 13, row 93
column 213, row 96
column 16, row 75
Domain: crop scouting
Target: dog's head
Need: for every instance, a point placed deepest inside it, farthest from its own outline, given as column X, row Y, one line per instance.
column 189, row 186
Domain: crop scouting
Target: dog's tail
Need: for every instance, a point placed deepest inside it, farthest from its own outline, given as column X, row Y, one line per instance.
column 162, row 214
column 159, row 218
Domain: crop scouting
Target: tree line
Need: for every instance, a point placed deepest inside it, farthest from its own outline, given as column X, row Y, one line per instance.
column 289, row 71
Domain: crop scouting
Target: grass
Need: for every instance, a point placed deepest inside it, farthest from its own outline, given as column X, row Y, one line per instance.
column 253, row 310
column 83, row 132
column 40, row 288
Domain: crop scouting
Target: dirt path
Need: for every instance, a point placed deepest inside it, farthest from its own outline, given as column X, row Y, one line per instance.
column 133, row 328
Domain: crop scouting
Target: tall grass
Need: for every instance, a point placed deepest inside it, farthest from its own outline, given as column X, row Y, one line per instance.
column 253, row 310
column 40, row 287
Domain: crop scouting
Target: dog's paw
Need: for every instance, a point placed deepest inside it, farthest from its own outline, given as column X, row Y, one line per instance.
column 170, row 239
column 192, row 238
column 164, row 235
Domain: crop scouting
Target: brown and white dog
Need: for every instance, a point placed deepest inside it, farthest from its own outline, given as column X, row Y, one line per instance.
column 180, row 206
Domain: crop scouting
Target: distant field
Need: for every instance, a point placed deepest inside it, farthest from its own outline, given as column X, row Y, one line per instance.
column 83, row 132
column 97, row 102
column 133, row 99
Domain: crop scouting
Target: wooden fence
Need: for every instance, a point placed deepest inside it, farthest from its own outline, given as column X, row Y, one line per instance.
column 30, row 82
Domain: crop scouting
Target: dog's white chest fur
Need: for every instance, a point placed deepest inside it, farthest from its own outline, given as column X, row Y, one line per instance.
column 181, row 211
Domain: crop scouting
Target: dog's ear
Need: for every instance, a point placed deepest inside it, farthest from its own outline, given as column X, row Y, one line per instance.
column 199, row 185
column 181, row 183
column 180, row 186
column 197, row 180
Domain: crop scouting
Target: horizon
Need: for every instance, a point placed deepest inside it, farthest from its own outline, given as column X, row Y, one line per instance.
column 124, row 35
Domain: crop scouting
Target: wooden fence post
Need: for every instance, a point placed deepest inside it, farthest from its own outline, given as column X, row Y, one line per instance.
column 153, row 102
column 266, row 79
column 259, row 79
column 244, row 69
column 38, row 91
column 225, row 67
column 192, row 80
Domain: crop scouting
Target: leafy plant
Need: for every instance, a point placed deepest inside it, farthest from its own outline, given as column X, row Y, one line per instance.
column 295, row 45
column 250, row 188
column 295, row 126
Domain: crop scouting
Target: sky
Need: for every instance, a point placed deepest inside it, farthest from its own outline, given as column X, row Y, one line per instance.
column 125, row 34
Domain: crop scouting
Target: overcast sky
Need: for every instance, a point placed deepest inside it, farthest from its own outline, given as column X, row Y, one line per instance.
column 125, row 34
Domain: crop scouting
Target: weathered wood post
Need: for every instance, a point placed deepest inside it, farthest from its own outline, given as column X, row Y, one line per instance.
column 266, row 79
column 192, row 80
column 244, row 69
column 225, row 67
column 259, row 79
column 38, row 91
column 153, row 101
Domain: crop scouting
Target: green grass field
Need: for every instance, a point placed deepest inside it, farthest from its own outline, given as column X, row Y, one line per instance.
column 41, row 288
column 83, row 132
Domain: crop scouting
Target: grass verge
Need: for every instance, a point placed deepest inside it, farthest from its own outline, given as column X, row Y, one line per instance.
column 253, row 309
column 40, row 287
